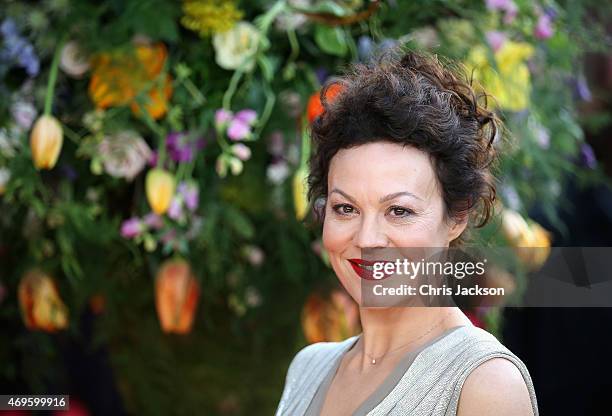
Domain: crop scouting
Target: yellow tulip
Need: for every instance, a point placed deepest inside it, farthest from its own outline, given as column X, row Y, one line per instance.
column 530, row 240
column 300, row 196
column 160, row 187
column 46, row 142
column 40, row 303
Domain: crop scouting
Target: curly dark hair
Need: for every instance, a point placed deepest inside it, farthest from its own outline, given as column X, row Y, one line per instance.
column 414, row 100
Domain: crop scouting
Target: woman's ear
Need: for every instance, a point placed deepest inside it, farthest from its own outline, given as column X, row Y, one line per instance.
column 458, row 225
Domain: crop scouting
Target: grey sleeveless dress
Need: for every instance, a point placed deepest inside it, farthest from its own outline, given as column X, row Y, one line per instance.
column 427, row 381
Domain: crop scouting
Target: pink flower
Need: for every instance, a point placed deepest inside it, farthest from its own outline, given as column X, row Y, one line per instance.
column 247, row 116
column 238, row 130
column 496, row 39
column 132, row 228
column 222, row 117
column 152, row 220
column 175, row 211
column 241, row 151
column 543, row 29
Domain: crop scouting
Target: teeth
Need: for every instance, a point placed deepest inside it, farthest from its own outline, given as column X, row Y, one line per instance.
column 363, row 266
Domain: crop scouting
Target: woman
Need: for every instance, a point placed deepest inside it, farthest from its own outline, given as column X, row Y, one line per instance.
column 402, row 158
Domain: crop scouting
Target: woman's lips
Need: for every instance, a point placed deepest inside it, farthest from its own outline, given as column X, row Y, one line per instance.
column 367, row 273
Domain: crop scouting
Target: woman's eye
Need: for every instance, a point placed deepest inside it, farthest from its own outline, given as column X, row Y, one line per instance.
column 401, row 212
column 344, row 209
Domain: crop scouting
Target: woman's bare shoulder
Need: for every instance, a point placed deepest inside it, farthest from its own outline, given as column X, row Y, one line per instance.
column 495, row 387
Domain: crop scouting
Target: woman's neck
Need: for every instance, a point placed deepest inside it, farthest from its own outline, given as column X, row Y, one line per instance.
column 402, row 329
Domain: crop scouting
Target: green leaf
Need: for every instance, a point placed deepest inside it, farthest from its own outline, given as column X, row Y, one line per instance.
column 239, row 223
column 331, row 40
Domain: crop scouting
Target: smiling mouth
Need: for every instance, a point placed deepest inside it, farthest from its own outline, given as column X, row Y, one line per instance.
column 365, row 268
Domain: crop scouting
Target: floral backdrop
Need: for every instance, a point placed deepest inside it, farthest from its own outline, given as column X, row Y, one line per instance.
column 152, row 164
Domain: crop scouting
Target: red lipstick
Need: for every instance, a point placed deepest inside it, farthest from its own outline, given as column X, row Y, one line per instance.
column 364, row 268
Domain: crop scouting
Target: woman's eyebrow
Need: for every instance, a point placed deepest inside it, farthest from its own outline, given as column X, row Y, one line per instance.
column 381, row 200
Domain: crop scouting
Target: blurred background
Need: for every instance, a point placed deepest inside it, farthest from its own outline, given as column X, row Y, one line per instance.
column 157, row 254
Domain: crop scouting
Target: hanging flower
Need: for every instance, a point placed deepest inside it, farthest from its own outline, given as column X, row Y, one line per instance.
column 237, row 46
column 124, row 155
column 46, row 142
column 182, row 148
column 176, row 296
column 40, row 303
column 24, row 113
column 511, row 86
column 159, row 186
column 544, row 28
column 315, row 107
column 132, row 228
column 277, row 172
column 118, row 77
column 529, row 239
column 72, row 60
column 239, row 126
column 300, row 197
column 241, row 151
column 210, row 16
column 330, row 319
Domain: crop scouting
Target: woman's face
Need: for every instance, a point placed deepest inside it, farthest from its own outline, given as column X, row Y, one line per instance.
column 382, row 194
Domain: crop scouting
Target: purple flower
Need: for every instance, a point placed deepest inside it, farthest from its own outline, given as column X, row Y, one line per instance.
column 132, row 228
column 543, row 29
column 153, row 220
column 496, row 39
column 8, row 28
column 181, row 147
column 322, row 74
column 581, row 89
column 24, row 114
column 222, row 117
column 499, row 4
column 587, row 156
column 175, row 211
column 28, row 60
column 190, row 194
column 247, row 116
column 276, row 143
column 238, row 130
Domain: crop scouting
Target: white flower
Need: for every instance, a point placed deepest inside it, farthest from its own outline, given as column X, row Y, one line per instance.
column 124, row 154
column 277, row 172
column 237, row 45
column 24, row 114
column 72, row 60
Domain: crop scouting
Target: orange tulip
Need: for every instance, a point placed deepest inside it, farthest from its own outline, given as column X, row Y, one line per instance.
column 315, row 107
column 176, row 296
column 46, row 142
column 118, row 77
column 40, row 303
column 333, row 319
column 157, row 104
column 159, row 186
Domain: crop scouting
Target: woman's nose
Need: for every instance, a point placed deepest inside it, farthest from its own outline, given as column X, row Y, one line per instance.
column 370, row 234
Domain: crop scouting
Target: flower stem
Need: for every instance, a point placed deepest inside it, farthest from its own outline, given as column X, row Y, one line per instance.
column 53, row 75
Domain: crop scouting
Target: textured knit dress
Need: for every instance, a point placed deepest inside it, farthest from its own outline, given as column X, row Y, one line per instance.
column 427, row 381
